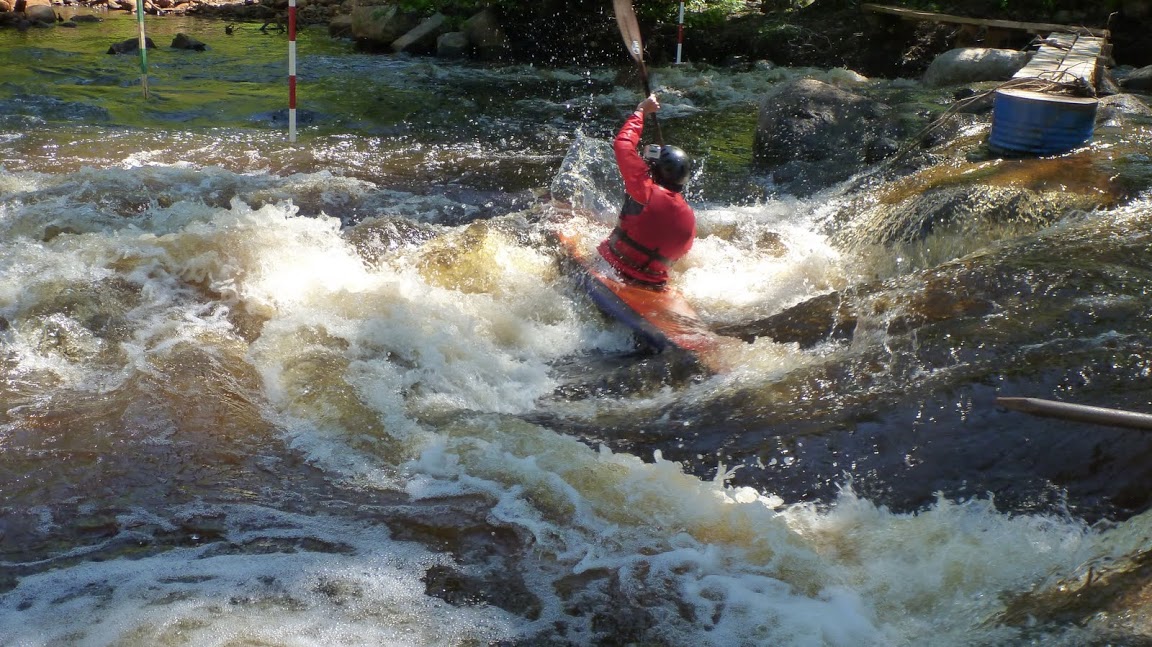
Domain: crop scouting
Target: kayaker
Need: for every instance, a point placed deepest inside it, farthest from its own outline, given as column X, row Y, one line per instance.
column 656, row 225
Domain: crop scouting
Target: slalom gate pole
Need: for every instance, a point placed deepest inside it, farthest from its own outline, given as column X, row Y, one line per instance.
column 680, row 35
column 291, row 70
column 143, row 47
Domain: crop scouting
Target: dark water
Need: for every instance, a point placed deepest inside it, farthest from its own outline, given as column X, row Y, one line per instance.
column 342, row 391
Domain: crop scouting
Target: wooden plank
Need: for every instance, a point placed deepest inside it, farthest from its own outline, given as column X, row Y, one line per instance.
column 1031, row 27
column 1063, row 57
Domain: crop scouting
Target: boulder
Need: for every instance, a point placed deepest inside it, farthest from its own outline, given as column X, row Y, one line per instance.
column 41, row 13
column 423, row 37
column 1138, row 80
column 379, row 27
column 811, row 135
column 5, row 6
column 452, row 44
column 974, row 64
column 130, row 46
column 484, row 33
column 184, row 41
column 340, row 26
column 1115, row 110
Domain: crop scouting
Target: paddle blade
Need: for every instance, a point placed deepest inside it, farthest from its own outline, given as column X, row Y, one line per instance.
column 629, row 29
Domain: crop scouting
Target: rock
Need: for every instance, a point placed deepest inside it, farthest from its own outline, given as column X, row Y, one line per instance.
column 423, row 37
column 974, row 64
column 1114, row 110
column 5, row 6
column 812, row 134
column 86, row 17
column 452, row 44
column 130, row 46
column 1138, row 81
column 487, row 38
column 184, row 41
column 41, row 13
column 340, row 27
column 379, row 27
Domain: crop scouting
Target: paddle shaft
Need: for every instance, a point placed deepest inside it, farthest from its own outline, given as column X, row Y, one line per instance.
column 1078, row 412
column 630, row 31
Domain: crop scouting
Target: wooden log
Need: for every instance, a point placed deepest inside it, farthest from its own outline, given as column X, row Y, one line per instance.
column 1078, row 412
column 1031, row 27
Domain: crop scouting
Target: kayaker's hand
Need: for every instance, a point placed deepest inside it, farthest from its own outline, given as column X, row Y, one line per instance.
column 649, row 104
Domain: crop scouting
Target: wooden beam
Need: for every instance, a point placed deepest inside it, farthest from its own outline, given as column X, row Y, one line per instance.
column 1031, row 27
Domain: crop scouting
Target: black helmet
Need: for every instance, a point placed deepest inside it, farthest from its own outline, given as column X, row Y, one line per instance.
column 672, row 168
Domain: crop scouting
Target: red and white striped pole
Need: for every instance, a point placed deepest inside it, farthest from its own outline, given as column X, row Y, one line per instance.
column 680, row 35
column 291, row 70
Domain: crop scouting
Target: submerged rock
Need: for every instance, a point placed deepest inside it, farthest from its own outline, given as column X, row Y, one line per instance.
column 184, row 41
column 130, row 46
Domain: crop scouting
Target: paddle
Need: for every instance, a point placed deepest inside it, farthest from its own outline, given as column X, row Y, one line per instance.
column 630, row 30
column 1078, row 412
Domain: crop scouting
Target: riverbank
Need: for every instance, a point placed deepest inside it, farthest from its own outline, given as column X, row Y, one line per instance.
column 825, row 33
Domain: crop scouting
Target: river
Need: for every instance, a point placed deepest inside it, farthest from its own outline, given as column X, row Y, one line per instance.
column 343, row 391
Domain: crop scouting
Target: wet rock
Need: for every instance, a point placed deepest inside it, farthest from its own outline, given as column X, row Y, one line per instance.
column 453, row 44
column 279, row 118
column 1113, row 110
column 815, row 321
column 375, row 238
column 486, row 36
column 965, row 209
column 811, row 135
column 130, row 46
column 377, row 27
column 184, row 41
column 422, row 38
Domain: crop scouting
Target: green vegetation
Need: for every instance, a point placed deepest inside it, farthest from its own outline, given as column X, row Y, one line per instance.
column 697, row 12
column 1016, row 8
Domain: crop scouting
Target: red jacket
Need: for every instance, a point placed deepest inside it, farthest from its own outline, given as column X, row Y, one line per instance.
column 656, row 225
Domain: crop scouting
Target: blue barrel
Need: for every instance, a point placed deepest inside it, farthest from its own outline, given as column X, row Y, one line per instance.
column 1026, row 122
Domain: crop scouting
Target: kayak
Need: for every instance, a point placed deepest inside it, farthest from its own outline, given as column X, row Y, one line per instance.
column 660, row 318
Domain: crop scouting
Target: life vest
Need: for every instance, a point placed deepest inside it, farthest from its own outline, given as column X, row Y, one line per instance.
column 656, row 225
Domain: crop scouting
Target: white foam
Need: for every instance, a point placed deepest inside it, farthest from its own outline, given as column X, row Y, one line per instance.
column 368, row 593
